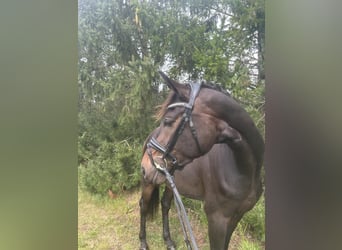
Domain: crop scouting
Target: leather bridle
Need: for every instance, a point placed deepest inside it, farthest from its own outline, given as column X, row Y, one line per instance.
column 166, row 151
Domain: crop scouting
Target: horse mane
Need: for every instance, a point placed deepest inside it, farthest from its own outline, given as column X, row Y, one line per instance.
column 215, row 86
column 171, row 98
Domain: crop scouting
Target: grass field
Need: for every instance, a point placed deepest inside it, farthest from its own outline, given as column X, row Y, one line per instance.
column 105, row 223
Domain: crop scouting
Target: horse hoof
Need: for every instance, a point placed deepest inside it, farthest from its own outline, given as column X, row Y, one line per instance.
column 172, row 247
column 144, row 247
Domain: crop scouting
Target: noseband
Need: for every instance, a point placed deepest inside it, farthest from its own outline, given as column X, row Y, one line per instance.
column 166, row 151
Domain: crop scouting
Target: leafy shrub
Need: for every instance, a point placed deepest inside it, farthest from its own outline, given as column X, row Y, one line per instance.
column 115, row 168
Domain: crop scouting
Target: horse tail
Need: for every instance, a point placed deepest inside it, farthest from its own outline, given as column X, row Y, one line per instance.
column 153, row 205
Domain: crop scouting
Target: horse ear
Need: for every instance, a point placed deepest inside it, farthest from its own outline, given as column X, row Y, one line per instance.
column 170, row 83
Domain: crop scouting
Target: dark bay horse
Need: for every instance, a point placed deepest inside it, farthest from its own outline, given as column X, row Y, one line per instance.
column 225, row 180
column 225, row 176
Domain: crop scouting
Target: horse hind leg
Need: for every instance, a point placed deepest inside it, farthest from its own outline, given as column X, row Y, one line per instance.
column 166, row 204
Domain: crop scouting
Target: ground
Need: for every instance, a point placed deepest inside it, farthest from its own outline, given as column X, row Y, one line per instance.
column 113, row 223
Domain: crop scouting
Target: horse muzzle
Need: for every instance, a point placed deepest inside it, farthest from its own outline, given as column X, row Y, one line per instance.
column 153, row 172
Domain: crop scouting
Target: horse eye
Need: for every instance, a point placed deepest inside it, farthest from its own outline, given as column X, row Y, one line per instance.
column 168, row 121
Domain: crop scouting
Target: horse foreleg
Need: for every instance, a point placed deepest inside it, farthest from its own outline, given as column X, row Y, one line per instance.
column 220, row 229
column 144, row 203
column 217, row 227
column 166, row 204
column 142, row 234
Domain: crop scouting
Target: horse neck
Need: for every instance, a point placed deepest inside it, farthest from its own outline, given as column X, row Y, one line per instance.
column 227, row 109
column 244, row 157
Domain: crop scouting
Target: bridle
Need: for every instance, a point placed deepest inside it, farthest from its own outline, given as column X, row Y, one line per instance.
column 166, row 151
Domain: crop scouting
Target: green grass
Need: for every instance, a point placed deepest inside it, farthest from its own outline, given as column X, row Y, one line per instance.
column 105, row 223
column 249, row 245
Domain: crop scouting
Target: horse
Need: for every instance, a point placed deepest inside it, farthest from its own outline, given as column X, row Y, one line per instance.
column 213, row 148
column 224, row 180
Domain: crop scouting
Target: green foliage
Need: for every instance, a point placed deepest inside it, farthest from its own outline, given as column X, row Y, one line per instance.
column 113, row 169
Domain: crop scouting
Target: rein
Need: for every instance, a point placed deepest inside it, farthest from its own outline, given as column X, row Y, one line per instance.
column 183, row 218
